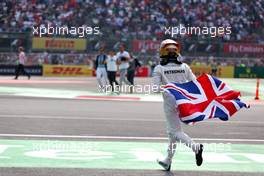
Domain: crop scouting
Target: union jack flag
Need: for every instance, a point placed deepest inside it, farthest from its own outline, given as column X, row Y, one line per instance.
column 205, row 98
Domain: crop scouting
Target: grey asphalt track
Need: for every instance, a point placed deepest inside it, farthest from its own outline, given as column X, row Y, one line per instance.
column 109, row 172
column 113, row 118
column 50, row 116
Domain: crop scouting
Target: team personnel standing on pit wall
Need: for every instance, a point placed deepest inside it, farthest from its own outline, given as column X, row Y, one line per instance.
column 112, row 69
column 171, row 69
column 133, row 65
column 21, row 62
column 100, row 67
column 123, row 58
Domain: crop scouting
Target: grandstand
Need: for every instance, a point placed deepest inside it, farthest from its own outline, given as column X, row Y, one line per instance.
column 138, row 24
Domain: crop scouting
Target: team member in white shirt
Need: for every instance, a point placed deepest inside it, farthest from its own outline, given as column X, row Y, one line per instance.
column 123, row 58
column 21, row 62
column 112, row 69
column 171, row 69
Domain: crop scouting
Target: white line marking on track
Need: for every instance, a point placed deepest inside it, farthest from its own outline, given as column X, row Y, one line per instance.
column 122, row 137
column 116, row 119
column 79, row 118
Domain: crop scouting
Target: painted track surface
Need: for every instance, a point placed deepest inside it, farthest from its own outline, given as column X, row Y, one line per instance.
column 29, row 121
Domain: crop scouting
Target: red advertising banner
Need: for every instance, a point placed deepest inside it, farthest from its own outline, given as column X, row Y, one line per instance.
column 236, row 48
column 142, row 72
column 146, row 45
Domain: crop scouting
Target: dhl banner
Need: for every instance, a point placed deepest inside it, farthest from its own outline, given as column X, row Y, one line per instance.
column 66, row 70
column 43, row 43
column 222, row 71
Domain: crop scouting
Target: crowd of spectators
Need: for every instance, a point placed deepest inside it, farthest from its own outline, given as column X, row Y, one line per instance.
column 122, row 20
column 146, row 19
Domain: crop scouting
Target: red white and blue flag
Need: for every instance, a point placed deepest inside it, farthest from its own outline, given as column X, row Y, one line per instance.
column 205, row 98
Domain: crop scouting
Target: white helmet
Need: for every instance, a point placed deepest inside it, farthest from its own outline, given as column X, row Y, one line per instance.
column 169, row 44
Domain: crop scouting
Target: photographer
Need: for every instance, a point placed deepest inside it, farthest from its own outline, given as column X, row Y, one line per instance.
column 133, row 65
column 123, row 59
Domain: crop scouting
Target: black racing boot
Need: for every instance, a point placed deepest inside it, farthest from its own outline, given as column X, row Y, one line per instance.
column 198, row 156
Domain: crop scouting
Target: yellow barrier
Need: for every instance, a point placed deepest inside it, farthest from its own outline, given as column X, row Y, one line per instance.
column 222, row 71
column 66, row 70
column 58, row 43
